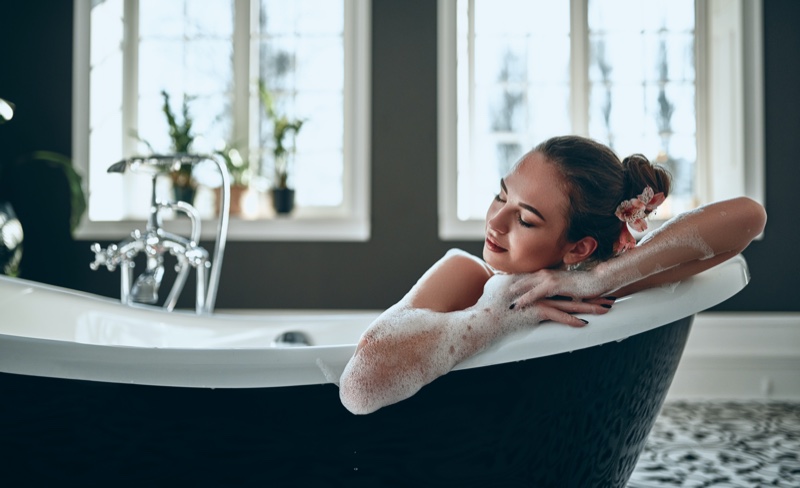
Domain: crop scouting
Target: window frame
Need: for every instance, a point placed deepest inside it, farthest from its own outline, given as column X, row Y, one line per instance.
column 729, row 105
column 349, row 222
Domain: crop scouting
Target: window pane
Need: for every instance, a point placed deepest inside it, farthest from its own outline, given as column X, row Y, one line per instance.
column 301, row 53
column 514, row 94
column 105, row 104
column 642, row 91
column 186, row 49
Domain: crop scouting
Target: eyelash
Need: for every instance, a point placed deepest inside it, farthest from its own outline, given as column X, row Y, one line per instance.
column 521, row 222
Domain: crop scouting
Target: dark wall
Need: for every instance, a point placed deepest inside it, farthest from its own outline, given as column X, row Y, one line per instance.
column 35, row 73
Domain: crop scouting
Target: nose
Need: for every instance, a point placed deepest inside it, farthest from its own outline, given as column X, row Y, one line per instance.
column 497, row 223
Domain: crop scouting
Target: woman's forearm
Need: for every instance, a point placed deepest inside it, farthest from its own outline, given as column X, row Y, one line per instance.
column 684, row 246
column 407, row 348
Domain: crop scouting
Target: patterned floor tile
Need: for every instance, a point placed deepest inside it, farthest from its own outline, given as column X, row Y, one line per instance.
column 722, row 444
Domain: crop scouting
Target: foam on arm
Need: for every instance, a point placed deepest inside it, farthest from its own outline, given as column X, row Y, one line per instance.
column 684, row 246
column 406, row 347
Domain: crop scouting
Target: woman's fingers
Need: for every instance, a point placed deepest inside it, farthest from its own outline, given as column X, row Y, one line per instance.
column 562, row 310
column 576, row 306
column 545, row 312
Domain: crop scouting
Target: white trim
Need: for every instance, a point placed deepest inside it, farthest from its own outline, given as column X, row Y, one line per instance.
column 579, row 67
column 81, row 42
column 447, row 99
column 731, row 85
column 130, row 77
column 741, row 355
column 294, row 228
column 723, row 100
column 242, row 62
column 755, row 161
column 351, row 222
column 358, row 40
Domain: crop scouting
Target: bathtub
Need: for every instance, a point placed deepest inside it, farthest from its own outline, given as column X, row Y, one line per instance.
column 548, row 406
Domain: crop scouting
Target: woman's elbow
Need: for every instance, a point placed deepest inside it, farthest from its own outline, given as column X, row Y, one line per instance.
column 355, row 396
column 753, row 217
column 359, row 385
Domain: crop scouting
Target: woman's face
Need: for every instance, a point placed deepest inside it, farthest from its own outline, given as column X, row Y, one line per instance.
column 526, row 223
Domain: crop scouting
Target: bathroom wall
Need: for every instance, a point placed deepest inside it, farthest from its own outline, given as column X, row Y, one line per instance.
column 35, row 73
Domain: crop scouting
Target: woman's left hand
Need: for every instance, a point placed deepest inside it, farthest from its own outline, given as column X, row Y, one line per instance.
column 580, row 286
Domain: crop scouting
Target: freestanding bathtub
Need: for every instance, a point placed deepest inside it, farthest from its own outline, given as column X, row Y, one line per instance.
column 92, row 396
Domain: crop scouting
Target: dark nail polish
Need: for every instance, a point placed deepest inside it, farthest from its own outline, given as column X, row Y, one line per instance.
column 610, row 298
column 512, row 306
column 605, row 305
column 584, row 321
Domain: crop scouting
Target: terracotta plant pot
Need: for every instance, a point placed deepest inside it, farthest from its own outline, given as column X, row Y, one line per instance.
column 237, row 193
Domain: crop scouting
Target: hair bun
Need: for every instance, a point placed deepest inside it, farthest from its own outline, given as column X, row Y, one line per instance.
column 640, row 173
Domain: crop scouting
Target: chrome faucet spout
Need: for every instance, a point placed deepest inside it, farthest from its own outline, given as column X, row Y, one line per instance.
column 155, row 242
column 145, row 288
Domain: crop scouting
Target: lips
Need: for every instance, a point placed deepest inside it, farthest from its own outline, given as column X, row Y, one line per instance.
column 493, row 246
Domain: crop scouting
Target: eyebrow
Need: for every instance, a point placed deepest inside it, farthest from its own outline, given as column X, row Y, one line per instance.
column 529, row 208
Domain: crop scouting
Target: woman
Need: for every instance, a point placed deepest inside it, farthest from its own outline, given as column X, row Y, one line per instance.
column 556, row 243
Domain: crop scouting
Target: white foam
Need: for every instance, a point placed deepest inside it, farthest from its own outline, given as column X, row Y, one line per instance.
column 686, row 236
column 407, row 348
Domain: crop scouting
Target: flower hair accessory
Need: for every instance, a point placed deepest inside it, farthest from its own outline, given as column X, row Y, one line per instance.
column 633, row 212
column 625, row 241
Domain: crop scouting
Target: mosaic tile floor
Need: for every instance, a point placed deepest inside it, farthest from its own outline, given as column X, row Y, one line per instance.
column 722, row 444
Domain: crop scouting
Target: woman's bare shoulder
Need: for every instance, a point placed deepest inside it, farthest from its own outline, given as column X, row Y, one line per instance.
column 455, row 282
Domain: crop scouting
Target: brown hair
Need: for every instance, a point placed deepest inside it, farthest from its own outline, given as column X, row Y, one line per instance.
column 596, row 183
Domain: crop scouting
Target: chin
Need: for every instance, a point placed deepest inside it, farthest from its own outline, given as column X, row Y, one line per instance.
column 496, row 264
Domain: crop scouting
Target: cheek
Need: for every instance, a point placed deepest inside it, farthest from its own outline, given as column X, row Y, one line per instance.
column 535, row 253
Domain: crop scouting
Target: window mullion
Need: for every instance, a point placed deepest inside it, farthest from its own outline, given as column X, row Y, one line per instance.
column 253, row 30
column 471, row 68
column 241, row 71
column 702, row 173
column 579, row 66
column 130, row 95
column 130, row 77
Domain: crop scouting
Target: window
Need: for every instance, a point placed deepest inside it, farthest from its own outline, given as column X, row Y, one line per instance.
column 649, row 76
column 211, row 58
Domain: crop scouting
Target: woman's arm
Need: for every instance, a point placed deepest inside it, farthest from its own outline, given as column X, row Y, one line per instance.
column 694, row 242
column 402, row 350
column 684, row 246
column 453, row 312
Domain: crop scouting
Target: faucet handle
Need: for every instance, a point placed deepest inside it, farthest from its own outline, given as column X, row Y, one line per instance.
column 104, row 257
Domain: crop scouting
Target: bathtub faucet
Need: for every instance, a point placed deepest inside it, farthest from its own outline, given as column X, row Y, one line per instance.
column 155, row 242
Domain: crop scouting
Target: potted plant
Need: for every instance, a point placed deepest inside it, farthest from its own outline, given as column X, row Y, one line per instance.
column 239, row 170
column 282, row 127
column 184, row 186
column 28, row 183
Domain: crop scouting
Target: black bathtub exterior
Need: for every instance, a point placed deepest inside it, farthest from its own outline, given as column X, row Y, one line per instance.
column 577, row 419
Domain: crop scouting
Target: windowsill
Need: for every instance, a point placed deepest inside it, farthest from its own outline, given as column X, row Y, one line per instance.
column 292, row 228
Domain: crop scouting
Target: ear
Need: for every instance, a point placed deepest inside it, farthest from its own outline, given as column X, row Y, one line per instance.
column 580, row 251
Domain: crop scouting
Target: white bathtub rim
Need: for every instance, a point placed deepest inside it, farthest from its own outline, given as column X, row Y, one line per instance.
column 267, row 366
